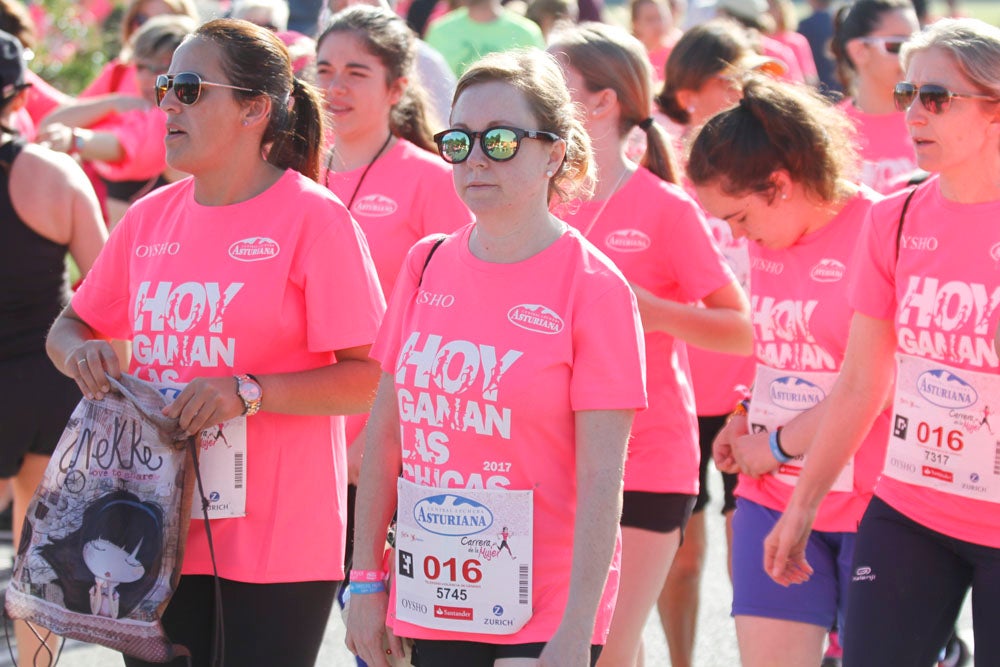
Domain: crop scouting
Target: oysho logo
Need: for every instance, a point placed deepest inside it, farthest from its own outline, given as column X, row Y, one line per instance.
column 452, row 515
column 375, row 206
column 794, row 393
column 945, row 389
column 627, row 240
column 767, row 265
column 828, row 271
column 534, row 317
column 157, row 249
column 413, row 605
column 929, row 243
column 254, row 249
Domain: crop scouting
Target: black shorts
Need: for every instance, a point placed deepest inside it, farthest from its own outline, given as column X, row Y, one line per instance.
column 36, row 401
column 434, row 653
column 708, row 428
column 265, row 624
column 658, row 512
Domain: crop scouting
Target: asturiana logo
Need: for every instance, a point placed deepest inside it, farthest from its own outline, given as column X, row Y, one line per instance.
column 534, row 317
column 946, row 390
column 628, row 240
column 452, row 515
column 828, row 271
column 375, row 206
column 794, row 393
column 254, row 249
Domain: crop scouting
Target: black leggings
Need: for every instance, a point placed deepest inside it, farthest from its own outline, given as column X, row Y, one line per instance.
column 445, row 653
column 266, row 624
column 907, row 591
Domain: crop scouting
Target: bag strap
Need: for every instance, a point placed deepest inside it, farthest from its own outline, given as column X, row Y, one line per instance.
column 429, row 255
column 902, row 216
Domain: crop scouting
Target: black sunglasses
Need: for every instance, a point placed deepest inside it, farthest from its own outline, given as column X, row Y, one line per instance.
column 187, row 87
column 499, row 143
column 936, row 99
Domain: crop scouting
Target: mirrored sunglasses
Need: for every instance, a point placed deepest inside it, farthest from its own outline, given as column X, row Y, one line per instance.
column 499, row 143
column 187, row 87
column 936, row 99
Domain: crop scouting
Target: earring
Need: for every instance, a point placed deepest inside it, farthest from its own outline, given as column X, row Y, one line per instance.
column 549, row 174
column 690, row 109
column 784, row 195
column 245, row 123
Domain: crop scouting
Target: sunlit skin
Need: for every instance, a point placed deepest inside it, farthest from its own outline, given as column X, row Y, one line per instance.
column 961, row 143
column 354, row 84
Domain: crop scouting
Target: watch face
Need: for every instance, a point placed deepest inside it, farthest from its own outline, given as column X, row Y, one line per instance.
column 250, row 390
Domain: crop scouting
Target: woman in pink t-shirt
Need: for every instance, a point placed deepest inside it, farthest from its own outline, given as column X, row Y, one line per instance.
column 250, row 285
column 777, row 168
column 513, row 365
column 866, row 42
column 654, row 25
column 925, row 292
column 658, row 238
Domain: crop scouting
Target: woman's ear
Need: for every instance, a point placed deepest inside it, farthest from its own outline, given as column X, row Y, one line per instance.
column 397, row 89
column 781, row 186
column 858, row 52
column 257, row 110
column 605, row 101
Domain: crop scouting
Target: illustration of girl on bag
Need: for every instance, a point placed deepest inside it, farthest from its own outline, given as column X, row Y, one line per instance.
column 108, row 566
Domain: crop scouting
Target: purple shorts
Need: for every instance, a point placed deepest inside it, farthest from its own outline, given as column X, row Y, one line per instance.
column 820, row 601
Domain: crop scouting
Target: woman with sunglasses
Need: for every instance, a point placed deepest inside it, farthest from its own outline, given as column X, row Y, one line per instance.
column 777, row 168
column 867, row 38
column 924, row 293
column 657, row 236
column 513, row 364
column 250, row 285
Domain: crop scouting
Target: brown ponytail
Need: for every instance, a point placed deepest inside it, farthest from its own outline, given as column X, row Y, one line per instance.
column 298, row 138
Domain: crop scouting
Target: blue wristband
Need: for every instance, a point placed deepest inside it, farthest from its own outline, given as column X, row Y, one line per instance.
column 773, row 439
column 366, row 587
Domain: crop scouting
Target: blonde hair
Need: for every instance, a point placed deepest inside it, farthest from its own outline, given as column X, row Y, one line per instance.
column 177, row 8
column 539, row 78
column 974, row 45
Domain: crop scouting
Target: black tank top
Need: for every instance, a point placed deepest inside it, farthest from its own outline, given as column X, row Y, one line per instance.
column 33, row 280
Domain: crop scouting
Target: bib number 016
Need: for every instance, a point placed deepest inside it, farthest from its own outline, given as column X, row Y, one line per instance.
column 937, row 437
column 471, row 574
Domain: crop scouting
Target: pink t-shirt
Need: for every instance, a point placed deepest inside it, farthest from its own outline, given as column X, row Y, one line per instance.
column 140, row 133
column 115, row 77
column 256, row 287
column 943, row 297
column 42, row 98
column 799, row 46
column 407, row 194
column 721, row 380
column 657, row 236
column 885, row 145
column 517, row 349
column 801, row 319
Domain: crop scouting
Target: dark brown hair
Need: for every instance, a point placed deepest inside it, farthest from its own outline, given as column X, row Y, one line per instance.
column 387, row 37
column 776, row 126
column 608, row 57
column 15, row 19
column 703, row 52
column 253, row 57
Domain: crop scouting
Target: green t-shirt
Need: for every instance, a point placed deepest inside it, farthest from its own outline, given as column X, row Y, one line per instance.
column 462, row 41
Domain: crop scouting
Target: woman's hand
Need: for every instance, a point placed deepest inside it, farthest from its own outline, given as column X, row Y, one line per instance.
column 90, row 364
column 753, row 454
column 367, row 633
column 785, row 547
column 205, row 402
column 57, row 137
column 722, row 446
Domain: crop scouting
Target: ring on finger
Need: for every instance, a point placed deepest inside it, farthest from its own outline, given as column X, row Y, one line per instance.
column 82, row 362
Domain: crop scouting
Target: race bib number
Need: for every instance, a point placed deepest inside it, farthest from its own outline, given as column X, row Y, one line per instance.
column 943, row 434
column 780, row 396
column 463, row 558
column 222, row 456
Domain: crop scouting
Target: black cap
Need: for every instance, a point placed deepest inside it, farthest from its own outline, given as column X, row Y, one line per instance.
column 12, row 66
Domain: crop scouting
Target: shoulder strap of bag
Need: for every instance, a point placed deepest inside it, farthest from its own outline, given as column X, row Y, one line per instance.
column 429, row 255
column 902, row 216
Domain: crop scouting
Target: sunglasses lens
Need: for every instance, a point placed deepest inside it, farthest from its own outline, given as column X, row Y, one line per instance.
column 500, row 143
column 893, row 47
column 455, row 146
column 187, row 87
column 903, row 95
column 934, row 98
column 162, row 86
